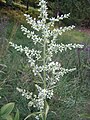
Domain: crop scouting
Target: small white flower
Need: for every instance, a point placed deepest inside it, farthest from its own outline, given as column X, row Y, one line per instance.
column 30, row 104
column 37, row 117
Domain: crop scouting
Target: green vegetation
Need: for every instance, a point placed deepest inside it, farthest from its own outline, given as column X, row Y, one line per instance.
column 71, row 99
column 72, row 95
column 6, row 110
column 79, row 9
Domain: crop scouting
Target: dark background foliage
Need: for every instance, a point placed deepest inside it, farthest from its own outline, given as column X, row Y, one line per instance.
column 79, row 9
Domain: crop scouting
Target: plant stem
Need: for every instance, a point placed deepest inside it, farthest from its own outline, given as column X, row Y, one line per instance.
column 44, row 63
column 44, row 74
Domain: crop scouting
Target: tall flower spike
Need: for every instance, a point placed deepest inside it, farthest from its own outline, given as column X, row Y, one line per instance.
column 43, row 10
column 41, row 61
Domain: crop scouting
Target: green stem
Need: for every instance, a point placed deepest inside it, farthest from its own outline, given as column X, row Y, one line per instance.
column 44, row 63
column 44, row 75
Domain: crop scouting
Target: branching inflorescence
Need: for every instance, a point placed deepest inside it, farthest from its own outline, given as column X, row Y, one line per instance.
column 41, row 61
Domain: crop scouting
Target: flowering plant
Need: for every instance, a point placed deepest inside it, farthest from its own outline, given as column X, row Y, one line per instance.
column 41, row 61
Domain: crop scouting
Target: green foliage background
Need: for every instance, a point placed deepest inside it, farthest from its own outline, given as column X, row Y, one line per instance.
column 71, row 96
column 79, row 9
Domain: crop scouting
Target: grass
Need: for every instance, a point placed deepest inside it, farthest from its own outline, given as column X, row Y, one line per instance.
column 72, row 92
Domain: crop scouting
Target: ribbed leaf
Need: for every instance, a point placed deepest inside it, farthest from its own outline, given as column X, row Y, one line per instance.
column 6, row 110
column 17, row 115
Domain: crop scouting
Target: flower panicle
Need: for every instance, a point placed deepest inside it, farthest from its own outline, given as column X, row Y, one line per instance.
column 41, row 60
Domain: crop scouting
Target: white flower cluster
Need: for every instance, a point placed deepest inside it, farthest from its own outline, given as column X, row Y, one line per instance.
column 37, row 117
column 53, row 47
column 33, row 99
column 43, row 10
column 60, row 18
column 57, row 75
column 61, row 30
column 37, row 100
column 44, row 93
column 51, row 67
column 42, row 62
column 31, row 34
column 25, row 93
column 32, row 55
column 36, row 25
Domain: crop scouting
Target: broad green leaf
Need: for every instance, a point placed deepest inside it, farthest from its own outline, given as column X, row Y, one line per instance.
column 17, row 115
column 6, row 110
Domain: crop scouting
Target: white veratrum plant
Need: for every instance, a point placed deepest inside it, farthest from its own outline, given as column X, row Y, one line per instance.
column 41, row 61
